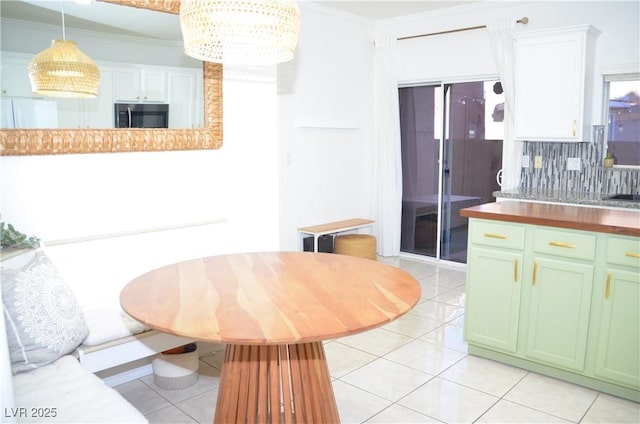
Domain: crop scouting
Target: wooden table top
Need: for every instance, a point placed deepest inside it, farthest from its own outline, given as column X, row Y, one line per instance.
column 612, row 221
column 271, row 297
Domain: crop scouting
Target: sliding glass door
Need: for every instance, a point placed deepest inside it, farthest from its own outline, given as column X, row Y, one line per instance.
column 461, row 124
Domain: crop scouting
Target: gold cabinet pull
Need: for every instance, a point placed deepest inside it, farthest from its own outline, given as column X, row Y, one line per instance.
column 515, row 270
column 632, row 255
column 535, row 272
column 575, row 124
column 608, row 287
column 498, row 236
column 560, row 244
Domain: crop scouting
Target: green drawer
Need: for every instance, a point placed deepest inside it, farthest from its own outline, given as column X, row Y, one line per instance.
column 623, row 251
column 569, row 244
column 496, row 234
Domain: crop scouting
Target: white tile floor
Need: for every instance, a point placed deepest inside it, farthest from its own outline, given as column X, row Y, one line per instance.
column 413, row 370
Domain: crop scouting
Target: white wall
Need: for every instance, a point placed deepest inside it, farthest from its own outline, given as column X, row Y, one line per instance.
column 70, row 196
column 468, row 54
column 325, row 172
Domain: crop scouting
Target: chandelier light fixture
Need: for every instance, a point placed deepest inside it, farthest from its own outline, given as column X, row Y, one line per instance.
column 63, row 70
column 251, row 32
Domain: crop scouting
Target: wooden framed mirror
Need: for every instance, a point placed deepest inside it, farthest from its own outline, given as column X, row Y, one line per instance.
column 16, row 142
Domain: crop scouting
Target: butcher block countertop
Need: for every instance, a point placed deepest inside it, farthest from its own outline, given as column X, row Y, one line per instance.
column 612, row 221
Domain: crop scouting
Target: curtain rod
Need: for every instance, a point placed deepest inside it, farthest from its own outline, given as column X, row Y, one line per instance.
column 523, row 21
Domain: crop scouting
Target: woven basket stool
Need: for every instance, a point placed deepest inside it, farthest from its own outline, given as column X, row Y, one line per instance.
column 362, row 245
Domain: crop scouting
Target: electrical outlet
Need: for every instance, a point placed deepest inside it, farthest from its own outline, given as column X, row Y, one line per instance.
column 525, row 161
column 573, row 164
column 537, row 163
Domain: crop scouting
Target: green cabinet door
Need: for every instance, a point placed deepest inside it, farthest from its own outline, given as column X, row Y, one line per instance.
column 618, row 351
column 494, row 281
column 559, row 308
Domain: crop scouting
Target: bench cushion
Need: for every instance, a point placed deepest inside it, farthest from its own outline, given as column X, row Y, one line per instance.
column 107, row 322
column 77, row 395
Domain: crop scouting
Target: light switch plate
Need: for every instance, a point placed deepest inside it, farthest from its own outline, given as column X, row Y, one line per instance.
column 573, row 164
column 525, row 161
column 537, row 162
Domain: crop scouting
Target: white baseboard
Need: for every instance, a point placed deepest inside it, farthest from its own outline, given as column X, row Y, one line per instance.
column 124, row 374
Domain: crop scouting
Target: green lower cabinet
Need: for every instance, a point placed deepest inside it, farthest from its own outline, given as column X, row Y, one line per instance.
column 494, row 283
column 559, row 307
column 618, row 349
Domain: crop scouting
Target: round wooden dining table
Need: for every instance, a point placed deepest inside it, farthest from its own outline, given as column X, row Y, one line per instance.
column 272, row 310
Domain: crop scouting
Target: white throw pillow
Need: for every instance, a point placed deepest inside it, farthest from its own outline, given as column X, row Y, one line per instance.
column 43, row 318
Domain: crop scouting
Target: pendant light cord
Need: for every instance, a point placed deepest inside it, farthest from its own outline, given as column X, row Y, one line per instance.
column 64, row 36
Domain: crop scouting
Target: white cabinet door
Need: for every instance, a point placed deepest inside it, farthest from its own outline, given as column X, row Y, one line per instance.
column 182, row 96
column 98, row 112
column 136, row 85
column 553, row 81
column 15, row 77
column 153, row 86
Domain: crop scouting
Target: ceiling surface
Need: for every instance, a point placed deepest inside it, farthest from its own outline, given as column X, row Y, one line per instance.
column 104, row 17
column 377, row 10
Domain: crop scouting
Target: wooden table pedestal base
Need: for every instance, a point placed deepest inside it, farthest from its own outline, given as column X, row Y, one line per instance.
column 276, row 384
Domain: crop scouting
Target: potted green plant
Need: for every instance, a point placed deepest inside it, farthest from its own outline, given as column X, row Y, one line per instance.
column 608, row 160
column 12, row 238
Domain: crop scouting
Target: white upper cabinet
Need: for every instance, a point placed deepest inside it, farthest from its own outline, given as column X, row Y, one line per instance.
column 141, row 85
column 185, row 99
column 15, row 77
column 554, row 80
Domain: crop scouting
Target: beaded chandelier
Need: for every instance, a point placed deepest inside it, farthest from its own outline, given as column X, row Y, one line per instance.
column 240, row 31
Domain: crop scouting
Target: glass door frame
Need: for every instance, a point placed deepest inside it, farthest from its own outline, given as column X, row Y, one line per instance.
column 443, row 131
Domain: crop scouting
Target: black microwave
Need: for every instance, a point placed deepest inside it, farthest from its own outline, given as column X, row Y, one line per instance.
column 141, row 115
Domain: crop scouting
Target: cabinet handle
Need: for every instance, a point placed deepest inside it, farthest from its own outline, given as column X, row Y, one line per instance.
column 560, row 244
column 575, row 124
column 608, row 287
column 632, row 255
column 515, row 270
column 498, row 236
column 535, row 272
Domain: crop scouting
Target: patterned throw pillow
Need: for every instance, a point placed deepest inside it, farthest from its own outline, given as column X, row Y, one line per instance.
column 42, row 316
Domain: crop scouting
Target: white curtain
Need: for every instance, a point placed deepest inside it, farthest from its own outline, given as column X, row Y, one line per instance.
column 502, row 44
column 387, row 164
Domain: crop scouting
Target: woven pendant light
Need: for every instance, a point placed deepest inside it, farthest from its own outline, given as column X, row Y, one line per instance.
column 249, row 32
column 63, row 70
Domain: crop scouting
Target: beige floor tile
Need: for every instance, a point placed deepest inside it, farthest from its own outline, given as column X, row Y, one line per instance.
column 552, row 396
column 399, row 414
column 431, row 291
column 377, row 342
column 448, row 335
column 142, row 397
column 512, row 413
column 201, row 407
column 611, row 409
column 454, row 297
column 170, row 415
column 446, row 278
column 437, row 311
column 484, row 375
column 387, row 379
column 356, row 405
column 343, row 359
column 426, row 357
column 448, row 402
column 412, row 325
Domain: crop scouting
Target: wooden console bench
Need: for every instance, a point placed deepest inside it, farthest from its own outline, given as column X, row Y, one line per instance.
column 332, row 228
